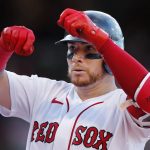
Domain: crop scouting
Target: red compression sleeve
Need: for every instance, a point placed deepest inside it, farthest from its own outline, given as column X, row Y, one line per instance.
column 128, row 71
column 4, row 57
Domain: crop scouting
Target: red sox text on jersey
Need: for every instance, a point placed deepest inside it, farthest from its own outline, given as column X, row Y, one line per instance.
column 88, row 136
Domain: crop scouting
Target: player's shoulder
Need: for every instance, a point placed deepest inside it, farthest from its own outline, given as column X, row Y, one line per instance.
column 38, row 81
column 54, row 85
column 121, row 94
column 117, row 96
column 120, row 91
column 117, row 93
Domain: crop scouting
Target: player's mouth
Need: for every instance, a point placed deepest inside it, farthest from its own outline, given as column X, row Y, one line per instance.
column 78, row 71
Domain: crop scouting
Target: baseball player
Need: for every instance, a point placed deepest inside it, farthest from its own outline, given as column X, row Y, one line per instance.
column 90, row 113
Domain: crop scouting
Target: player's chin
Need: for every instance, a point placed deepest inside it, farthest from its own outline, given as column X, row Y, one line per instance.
column 80, row 83
column 79, row 80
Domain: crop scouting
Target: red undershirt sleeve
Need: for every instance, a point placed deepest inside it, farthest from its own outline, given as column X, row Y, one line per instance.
column 127, row 70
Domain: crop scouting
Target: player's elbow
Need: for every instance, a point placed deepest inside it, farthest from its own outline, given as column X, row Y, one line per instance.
column 143, row 96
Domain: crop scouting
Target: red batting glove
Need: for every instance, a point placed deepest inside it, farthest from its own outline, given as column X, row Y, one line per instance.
column 78, row 24
column 18, row 39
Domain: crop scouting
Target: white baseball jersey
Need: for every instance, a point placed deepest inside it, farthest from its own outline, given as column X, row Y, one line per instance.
column 60, row 120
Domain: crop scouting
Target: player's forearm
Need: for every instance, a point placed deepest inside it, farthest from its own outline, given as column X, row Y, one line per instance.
column 129, row 73
column 127, row 70
column 4, row 84
column 18, row 39
column 4, row 90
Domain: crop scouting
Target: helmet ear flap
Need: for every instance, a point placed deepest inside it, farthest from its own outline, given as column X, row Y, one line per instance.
column 106, row 68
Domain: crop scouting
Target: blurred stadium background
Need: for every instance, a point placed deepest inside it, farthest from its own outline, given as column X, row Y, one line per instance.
column 49, row 60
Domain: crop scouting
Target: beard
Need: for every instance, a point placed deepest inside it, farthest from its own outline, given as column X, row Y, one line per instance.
column 81, row 81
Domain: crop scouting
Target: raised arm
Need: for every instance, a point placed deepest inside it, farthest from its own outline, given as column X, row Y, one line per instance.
column 18, row 39
column 130, row 74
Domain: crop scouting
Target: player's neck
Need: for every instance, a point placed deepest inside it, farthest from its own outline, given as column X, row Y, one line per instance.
column 101, row 87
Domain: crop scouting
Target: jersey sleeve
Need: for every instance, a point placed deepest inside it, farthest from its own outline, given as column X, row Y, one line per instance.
column 138, row 125
column 140, row 117
column 135, row 121
column 142, row 94
column 140, row 108
column 28, row 92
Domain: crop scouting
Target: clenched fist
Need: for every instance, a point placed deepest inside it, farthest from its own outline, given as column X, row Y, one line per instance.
column 78, row 24
column 18, row 39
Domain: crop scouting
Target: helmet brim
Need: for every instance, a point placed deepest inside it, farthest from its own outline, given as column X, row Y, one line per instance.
column 70, row 38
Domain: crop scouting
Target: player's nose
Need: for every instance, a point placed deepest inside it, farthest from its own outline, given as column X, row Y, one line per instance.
column 78, row 57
